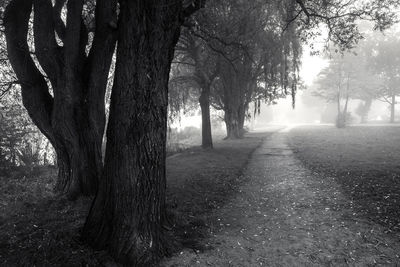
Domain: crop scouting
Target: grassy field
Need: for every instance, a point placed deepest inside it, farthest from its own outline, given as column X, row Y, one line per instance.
column 38, row 228
column 364, row 160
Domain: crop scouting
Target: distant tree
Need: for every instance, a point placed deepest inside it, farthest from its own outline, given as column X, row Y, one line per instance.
column 255, row 58
column 351, row 76
column 385, row 61
column 336, row 84
column 193, row 54
column 367, row 84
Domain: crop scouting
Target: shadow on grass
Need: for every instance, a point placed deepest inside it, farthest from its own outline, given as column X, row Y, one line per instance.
column 38, row 228
column 199, row 183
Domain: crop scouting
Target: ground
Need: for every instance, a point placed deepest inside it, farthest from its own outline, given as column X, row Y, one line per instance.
column 295, row 207
column 39, row 228
column 311, row 196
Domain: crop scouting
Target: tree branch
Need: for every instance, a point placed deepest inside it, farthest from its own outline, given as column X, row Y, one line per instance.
column 72, row 47
column 35, row 94
column 100, row 58
column 46, row 48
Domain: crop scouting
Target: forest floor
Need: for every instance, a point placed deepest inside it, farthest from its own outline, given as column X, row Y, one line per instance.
column 314, row 196
column 38, row 228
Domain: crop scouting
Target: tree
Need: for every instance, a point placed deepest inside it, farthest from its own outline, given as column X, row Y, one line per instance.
column 68, row 108
column 341, row 19
column 346, row 77
column 334, row 85
column 385, row 61
column 367, row 85
column 132, row 187
column 128, row 213
column 192, row 53
column 246, row 40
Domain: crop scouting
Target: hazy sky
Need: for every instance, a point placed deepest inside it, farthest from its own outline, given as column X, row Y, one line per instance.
column 311, row 66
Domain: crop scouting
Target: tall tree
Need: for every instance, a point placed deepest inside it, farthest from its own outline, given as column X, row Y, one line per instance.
column 193, row 54
column 385, row 61
column 338, row 83
column 128, row 213
column 68, row 108
column 252, row 49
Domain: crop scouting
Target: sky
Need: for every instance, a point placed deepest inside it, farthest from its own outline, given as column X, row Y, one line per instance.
column 311, row 66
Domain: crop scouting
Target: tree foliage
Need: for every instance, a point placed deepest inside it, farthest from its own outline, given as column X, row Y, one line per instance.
column 341, row 19
column 21, row 143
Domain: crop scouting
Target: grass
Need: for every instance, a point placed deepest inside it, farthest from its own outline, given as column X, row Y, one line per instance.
column 201, row 181
column 364, row 160
column 40, row 228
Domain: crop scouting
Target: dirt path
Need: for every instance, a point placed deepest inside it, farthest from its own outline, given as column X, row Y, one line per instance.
column 287, row 216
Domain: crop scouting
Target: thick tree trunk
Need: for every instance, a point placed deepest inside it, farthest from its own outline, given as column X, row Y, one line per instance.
column 73, row 120
column 206, row 134
column 129, row 210
column 235, row 114
column 242, row 117
column 392, row 108
column 238, row 89
column 232, row 124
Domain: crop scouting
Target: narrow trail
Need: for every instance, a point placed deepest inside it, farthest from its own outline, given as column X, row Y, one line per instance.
column 285, row 215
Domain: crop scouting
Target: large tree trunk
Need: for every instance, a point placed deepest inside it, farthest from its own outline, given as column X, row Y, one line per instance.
column 238, row 87
column 392, row 108
column 129, row 210
column 206, row 134
column 72, row 120
column 242, row 116
column 231, row 118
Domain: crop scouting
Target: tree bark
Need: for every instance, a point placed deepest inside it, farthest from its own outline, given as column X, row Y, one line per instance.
column 206, row 134
column 72, row 120
column 238, row 87
column 232, row 124
column 393, row 108
column 128, row 212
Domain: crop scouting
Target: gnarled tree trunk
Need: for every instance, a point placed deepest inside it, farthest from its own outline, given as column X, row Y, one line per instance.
column 72, row 119
column 128, row 212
